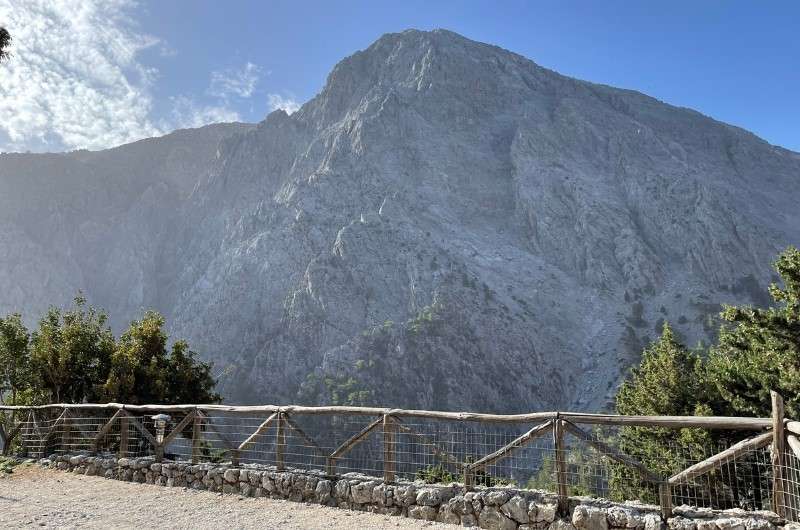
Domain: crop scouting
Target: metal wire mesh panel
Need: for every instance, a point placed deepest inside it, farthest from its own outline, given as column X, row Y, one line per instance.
column 78, row 433
column 741, row 482
column 790, row 500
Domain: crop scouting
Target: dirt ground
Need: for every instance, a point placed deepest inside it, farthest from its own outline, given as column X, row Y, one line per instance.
column 36, row 497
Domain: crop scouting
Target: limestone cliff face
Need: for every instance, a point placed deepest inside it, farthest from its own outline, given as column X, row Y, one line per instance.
column 102, row 222
column 445, row 225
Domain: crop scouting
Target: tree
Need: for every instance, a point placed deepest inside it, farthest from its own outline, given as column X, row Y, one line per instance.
column 669, row 381
column 137, row 373
column 5, row 42
column 142, row 371
column 189, row 380
column 759, row 349
column 14, row 358
column 71, row 351
column 73, row 356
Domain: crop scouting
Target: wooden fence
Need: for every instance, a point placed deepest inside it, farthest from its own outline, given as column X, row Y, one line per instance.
column 775, row 433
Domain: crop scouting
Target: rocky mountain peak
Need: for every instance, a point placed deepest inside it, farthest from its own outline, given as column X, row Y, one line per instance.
column 445, row 225
column 416, row 64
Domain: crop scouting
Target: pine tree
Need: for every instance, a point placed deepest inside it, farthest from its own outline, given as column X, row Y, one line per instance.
column 669, row 381
column 759, row 349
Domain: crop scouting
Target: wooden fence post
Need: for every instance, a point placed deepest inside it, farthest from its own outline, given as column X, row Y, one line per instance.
column 665, row 500
column 280, row 443
column 3, row 436
column 469, row 477
column 24, row 433
column 778, row 444
column 124, row 428
column 389, row 458
column 197, row 437
column 561, row 467
column 65, row 432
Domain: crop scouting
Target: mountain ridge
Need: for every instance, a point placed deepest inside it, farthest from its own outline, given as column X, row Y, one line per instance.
column 445, row 225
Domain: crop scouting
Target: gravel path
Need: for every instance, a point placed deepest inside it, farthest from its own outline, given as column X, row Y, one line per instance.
column 36, row 497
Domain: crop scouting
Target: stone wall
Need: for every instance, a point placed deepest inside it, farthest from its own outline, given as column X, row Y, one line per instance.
column 492, row 508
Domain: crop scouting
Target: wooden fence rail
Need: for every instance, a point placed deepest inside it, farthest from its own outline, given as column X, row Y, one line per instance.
column 774, row 431
column 674, row 422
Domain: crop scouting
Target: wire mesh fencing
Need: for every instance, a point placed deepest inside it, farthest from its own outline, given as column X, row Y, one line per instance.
column 744, row 481
column 618, row 458
column 789, row 501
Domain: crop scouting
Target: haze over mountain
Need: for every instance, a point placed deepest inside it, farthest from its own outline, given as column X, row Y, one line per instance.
column 446, row 225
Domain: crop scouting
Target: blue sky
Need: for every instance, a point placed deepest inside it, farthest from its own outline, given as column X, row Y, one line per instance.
column 163, row 65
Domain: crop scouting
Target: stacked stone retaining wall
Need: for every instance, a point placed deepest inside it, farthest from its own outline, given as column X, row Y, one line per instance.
column 491, row 508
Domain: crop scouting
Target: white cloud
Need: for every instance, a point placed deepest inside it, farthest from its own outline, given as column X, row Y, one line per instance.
column 276, row 101
column 241, row 82
column 75, row 79
column 188, row 113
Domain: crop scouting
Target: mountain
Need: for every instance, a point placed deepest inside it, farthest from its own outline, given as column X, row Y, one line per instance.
column 445, row 225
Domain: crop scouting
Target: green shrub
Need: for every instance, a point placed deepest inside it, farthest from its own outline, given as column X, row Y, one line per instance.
column 435, row 475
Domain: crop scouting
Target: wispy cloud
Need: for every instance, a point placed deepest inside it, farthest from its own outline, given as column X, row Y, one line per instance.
column 186, row 112
column 75, row 79
column 223, row 86
column 235, row 82
column 287, row 103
